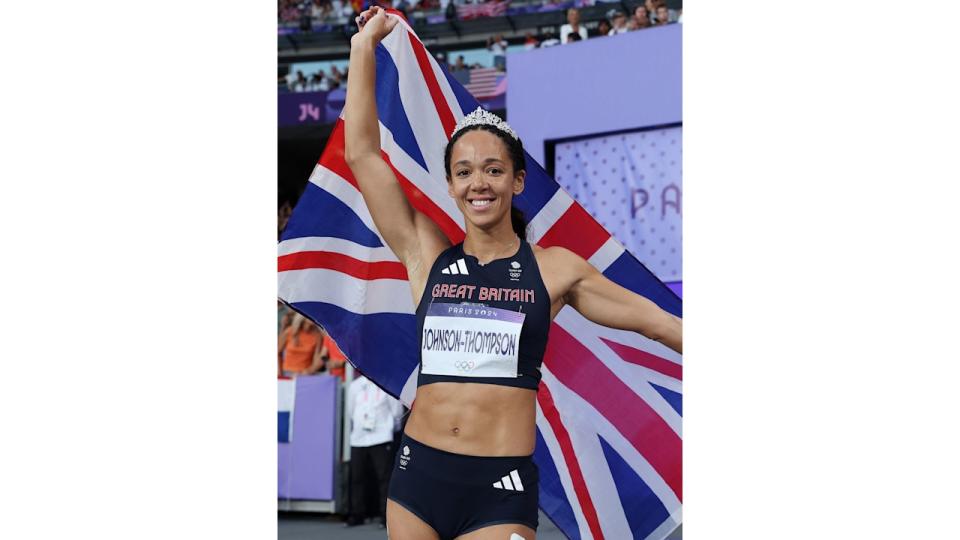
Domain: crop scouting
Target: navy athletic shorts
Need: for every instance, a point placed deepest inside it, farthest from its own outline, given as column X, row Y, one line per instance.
column 456, row 494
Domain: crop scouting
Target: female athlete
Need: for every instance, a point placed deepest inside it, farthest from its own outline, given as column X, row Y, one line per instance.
column 465, row 467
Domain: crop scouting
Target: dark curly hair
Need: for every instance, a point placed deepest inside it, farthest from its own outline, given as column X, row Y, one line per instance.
column 514, row 150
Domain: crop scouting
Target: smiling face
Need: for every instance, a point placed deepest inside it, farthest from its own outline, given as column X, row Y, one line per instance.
column 482, row 179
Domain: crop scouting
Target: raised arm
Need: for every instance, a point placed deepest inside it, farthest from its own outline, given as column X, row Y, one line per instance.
column 578, row 284
column 410, row 235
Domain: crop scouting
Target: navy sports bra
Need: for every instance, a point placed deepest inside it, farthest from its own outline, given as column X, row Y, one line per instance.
column 483, row 323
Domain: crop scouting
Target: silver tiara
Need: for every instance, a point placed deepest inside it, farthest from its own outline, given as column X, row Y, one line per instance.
column 481, row 117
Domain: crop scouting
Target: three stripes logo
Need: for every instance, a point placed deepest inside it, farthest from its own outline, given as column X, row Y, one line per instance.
column 459, row 267
column 510, row 482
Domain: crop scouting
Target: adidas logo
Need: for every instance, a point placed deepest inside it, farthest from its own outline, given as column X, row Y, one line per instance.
column 506, row 483
column 459, row 267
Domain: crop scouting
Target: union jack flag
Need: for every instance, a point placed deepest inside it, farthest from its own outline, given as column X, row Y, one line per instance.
column 609, row 405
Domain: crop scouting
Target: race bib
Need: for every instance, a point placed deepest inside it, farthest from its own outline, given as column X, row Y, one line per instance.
column 470, row 341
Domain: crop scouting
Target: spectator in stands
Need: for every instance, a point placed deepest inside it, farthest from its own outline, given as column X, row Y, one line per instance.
column 549, row 40
column 459, row 65
column 603, row 28
column 336, row 78
column 374, row 418
column 283, row 215
column 573, row 26
column 289, row 11
column 663, row 15
column 284, row 317
column 320, row 10
column 299, row 348
column 652, row 6
column 498, row 46
column 529, row 42
column 300, row 83
column 619, row 19
column 332, row 357
column 324, row 82
column 641, row 18
column 282, row 83
column 315, row 81
column 339, row 8
column 305, row 21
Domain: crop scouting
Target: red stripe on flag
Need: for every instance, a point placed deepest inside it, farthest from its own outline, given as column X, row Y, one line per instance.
column 439, row 101
column 576, row 231
column 425, row 205
column 578, row 369
column 332, row 157
column 550, row 412
column 645, row 359
column 342, row 263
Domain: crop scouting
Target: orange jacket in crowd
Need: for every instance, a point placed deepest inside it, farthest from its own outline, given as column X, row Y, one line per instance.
column 299, row 351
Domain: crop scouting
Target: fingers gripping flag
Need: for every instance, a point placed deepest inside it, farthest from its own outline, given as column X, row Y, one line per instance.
column 609, row 406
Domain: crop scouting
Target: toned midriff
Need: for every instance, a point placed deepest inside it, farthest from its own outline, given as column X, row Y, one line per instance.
column 474, row 419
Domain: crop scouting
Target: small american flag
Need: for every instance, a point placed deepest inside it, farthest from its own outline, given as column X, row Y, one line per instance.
column 484, row 82
column 609, row 406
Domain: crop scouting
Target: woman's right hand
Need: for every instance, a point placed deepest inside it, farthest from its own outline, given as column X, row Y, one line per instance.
column 375, row 24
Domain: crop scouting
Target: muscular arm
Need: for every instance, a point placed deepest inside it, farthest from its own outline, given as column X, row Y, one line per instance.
column 602, row 301
column 411, row 236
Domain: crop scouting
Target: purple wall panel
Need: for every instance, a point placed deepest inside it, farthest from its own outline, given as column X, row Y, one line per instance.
column 305, row 466
column 628, row 81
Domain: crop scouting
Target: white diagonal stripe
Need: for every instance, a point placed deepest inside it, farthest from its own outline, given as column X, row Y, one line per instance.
column 417, row 102
column 506, row 483
column 462, row 266
column 565, row 479
column 516, row 480
column 567, row 401
column 352, row 294
column 498, row 485
column 336, row 245
column 338, row 186
column 548, row 215
column 608, row 252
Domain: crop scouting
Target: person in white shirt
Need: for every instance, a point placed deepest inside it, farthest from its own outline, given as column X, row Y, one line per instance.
column 498, row 46
column 573, row 25
column 374, row 418
column 619, row 20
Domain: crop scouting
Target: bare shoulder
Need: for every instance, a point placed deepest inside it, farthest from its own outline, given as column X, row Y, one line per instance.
column 558, row 260
column 560, row 270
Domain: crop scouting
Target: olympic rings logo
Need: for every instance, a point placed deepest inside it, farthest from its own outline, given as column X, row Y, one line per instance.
column 464, row 365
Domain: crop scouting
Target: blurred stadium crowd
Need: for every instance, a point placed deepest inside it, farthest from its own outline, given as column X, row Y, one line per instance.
column 608, row 18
